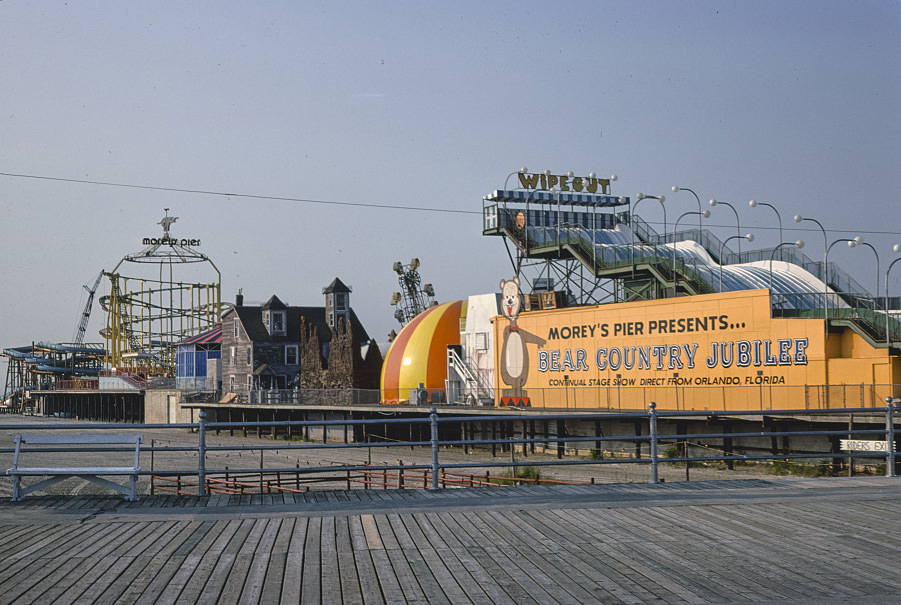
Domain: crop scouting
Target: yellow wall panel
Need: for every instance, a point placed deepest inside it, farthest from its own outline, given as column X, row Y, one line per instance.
column 717, row 351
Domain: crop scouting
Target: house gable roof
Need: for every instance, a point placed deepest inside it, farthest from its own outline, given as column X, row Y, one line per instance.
column 252, row 320
column 274, row 303
column 336, row 286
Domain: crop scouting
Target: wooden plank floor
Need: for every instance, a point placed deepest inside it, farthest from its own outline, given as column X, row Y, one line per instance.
column 754, row 541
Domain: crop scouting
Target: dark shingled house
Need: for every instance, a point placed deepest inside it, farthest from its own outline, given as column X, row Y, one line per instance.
column 276, row 347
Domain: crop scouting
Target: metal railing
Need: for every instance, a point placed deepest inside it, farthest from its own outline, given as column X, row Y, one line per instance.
column 430, row 473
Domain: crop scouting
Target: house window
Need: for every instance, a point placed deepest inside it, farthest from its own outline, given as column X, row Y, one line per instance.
column 236, row 327
column 340, row 301
column 231, row 383
column 234, row 355
column 250, row 382
column 278, row 322
column 291, row 355
column 481, row 341
column 249, row 356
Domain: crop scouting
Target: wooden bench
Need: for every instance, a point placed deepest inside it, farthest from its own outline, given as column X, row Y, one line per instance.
column 90, row 473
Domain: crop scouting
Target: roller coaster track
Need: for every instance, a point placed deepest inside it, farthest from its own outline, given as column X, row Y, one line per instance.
column 117, row 306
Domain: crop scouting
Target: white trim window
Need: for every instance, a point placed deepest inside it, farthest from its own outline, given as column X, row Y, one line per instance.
column 292, row 355
column 231, row 383
column 481, row 341
column 278, row 322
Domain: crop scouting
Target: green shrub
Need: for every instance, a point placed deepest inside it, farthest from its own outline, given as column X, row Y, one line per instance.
column 522, row 472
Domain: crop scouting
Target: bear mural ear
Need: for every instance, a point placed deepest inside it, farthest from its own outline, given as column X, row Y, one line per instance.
column 516, row 281
column 502, row 284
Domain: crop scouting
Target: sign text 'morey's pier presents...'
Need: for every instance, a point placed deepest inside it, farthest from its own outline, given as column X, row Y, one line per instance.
column 715, row 351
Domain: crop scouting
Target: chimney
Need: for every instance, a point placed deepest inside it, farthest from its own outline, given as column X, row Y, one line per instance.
column 239, row 299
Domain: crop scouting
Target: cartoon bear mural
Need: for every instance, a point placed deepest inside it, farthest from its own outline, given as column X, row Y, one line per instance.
column 514, row 363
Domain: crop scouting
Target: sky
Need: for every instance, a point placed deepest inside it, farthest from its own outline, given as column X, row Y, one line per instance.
column 381, row 125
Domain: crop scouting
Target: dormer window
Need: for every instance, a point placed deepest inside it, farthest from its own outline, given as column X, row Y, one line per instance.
column 278, row 322
column 275, row 317
column 275, row 322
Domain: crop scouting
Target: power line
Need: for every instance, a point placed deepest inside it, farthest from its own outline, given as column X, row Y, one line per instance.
column 232, row 194
column 340, row 203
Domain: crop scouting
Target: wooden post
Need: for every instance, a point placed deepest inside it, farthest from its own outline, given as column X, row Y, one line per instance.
column 493, row 438
column 525, row 447
column 638, row 427
column 561, row 434
column 850, row 436
column 727, row 445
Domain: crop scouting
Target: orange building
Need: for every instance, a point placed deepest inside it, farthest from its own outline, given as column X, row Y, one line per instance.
column 417, row 358
column 705, row 352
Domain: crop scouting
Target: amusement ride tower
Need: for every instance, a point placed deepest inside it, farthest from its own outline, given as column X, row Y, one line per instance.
column 154, row 305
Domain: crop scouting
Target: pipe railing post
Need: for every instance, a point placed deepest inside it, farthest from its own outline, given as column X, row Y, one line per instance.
column 652, row 429
column 889, row 437
column 433, row 421
column 201, row 454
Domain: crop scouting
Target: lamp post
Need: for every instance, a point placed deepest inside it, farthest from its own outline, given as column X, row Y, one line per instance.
column 798, row 218
column 755, row 203
column 714, row 203
column 659, row 198
column 638, row 197
column 676, row 188
column 896, row 248
column 522, row 170
column 851, row 244
column 704, row 214
column 798, row 244
column 748, row 236
column 858, row 241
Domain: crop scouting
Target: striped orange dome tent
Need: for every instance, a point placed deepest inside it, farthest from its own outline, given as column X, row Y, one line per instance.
column 419, row 353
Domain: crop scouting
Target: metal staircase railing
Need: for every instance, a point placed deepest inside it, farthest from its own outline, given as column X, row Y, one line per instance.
column 578, row 241
column 473, row 386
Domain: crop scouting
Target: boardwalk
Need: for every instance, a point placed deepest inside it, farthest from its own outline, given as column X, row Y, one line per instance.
column 754, row 540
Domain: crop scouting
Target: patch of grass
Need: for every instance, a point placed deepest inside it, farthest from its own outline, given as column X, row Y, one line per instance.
column 522, row 472
column 800, row 469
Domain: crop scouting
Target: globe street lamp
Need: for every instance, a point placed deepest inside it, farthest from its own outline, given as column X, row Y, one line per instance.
column 858, row 241
column 798, row 218
column 704, row 214
column 676, row 188
column 613, row 177
column 896, row 248
column 638, row 197
column 749, row 237
column 851, row 244
column 522, row 170
column 798, row 244
column 659, row 198
column 755, row 203
column 714, row 203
